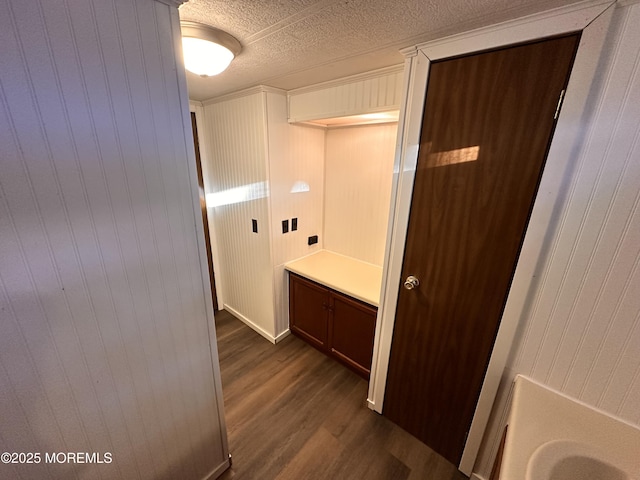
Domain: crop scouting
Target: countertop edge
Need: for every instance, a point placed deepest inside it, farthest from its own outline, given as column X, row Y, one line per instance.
column 309, row 273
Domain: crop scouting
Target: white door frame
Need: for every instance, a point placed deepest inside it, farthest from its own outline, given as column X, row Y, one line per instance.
column 593, row 18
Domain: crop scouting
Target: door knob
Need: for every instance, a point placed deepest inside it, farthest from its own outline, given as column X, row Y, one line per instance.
column 411, row 282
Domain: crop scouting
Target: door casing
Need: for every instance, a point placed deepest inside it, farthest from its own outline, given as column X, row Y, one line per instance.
column 593, row 18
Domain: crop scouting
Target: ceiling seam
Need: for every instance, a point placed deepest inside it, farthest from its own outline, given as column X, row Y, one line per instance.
column 467, row 25
column 290, row 20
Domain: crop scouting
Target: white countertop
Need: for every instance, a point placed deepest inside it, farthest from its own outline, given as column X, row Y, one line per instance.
column 344, row 274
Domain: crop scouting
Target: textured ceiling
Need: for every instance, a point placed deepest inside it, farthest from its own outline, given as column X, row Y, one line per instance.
column 293, row 43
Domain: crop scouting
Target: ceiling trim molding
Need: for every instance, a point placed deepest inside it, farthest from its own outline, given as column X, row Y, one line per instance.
column 585, row 8
column 380, row 72
column 244, row 93
column 409, row 52
column 172, row 3
column 626, row 3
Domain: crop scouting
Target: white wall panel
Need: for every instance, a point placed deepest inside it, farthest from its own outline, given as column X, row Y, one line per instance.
column 104, row 338
column 365, row 93
column 249, row 144
column 581, row 334
column 296, row 172
column 236, row 167
column 358, row 175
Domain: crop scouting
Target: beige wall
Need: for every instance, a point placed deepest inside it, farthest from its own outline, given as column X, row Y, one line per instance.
column 237, row 174
column 296, row 172
column 358, row 175
column 106, row 336
column 251, row 146
column 252, row 151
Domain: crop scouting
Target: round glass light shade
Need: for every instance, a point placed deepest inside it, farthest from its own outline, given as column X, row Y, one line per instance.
column 205, row 58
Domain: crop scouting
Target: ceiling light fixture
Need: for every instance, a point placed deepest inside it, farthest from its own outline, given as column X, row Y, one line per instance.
column 207, row 50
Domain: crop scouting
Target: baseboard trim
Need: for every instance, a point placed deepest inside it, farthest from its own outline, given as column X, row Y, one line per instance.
column 283, row 335
column 252, row 325
column 219, row 470
column 475, row 476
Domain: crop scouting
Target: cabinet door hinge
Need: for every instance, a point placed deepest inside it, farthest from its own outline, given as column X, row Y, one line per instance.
column 560, row 99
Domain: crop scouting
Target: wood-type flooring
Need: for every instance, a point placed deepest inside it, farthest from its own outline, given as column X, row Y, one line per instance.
column 293, row 413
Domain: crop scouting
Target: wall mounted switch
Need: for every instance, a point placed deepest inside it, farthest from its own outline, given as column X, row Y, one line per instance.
column 254, row 225
column 294, row 224
column 285, row 226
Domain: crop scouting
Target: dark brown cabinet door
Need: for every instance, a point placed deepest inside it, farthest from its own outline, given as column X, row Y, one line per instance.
column 487, row 126
column 309, row 311
column 351, row 332
column 336, row 324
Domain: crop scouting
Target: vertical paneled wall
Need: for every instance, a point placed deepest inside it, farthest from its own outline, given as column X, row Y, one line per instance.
column 581, row 334
column 236, row 167
column 358, row 174
column 104, row 335
column 337, row 183
column 296, row 172
column 375, row 91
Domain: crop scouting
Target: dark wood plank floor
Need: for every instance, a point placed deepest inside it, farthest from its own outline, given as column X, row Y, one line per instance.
column 293, row 413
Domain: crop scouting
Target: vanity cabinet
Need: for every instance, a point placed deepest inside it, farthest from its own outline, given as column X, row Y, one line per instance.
column 336, row 324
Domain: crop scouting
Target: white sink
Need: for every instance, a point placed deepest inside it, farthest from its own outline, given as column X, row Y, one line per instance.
column 569, row 460
column 553, row 437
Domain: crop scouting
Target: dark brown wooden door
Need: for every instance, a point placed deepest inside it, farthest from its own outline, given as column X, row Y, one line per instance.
column 487, row 125
column 203, row 210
